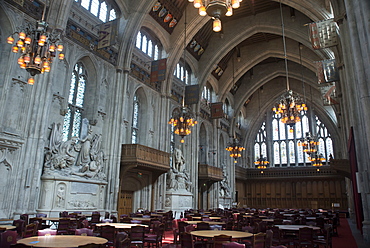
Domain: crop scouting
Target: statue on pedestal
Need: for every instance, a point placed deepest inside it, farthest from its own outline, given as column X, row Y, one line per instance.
column 177, row 177
column 224, row 184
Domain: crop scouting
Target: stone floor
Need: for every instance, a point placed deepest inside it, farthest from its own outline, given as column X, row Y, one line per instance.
column 357, row 235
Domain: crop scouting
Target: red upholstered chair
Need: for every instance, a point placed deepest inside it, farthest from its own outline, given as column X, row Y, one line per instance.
column 155, row 239
column 20, row 225
column 8, row 238
column 233, row 245
column 84, row 232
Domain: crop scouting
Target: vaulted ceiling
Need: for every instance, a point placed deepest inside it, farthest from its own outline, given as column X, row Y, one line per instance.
column 247, row 57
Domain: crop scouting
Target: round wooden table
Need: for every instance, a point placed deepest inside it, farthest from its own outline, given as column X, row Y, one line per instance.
column 56, row 241
column 8, row 227
column 212, row 233
column 120, row 225
column 194, row 222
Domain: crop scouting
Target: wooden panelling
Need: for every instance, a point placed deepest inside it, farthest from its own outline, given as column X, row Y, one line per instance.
column 292, row 193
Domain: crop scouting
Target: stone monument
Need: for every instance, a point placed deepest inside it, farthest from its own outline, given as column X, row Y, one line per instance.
column 178, row 193
column 73, row 179
column 225, row 198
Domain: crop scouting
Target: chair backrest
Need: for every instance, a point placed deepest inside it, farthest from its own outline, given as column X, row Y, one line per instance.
column 189, row 228
column 233, row 245
column 259, row 240
column 181, row 226
column 137, row 233
column 46, row 232
column 84, row 232
column 30, row 230
column 41, row 215
column 7, row 238
column 220, row 239
column 108, row 232
column 203, row 226
column 122, row 240
column 269, row 235
column 125, row 219
column 305, row 234
column 186, row 240
column 19, row 224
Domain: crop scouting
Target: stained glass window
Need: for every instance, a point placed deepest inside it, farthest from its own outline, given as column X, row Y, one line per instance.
column 72, row 119
column 285, row 150
column 135, row 120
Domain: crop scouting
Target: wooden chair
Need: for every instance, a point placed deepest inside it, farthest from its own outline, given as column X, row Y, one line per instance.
column 305, row 238
column 109, row 233
column 30, row 230
column 326, row 240
column 219, row 240
column 8, row 238
column 233, row 245
column 259, row 240
column 155, row 239
column 63, row 226
column 137, row 236
column 278, row 237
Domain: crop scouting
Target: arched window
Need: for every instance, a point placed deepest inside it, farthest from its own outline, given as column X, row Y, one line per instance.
column 207, row 93
column 260, row 147
column 226, row 107
column 182, row 72
column 135, row 120
column 285, row 150
column 72, row 119
column 101, row 9
column 148, row 44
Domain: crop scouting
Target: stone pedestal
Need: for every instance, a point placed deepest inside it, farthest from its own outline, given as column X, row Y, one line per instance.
column 71, row 194
column 178, row 201
column 225, row 202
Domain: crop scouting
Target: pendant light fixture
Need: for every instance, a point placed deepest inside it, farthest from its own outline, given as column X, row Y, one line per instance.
column 290, row 105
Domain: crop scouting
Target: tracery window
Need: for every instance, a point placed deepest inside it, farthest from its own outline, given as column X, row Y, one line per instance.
column 182, row 72
column 285, row 150
column 72, row 119
column 101, row 9
column 135, row 120
column 207, row 93
column 148, row 44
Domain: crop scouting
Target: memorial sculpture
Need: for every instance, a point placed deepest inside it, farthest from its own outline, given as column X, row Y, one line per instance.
column 178, row 177
column 74, row 157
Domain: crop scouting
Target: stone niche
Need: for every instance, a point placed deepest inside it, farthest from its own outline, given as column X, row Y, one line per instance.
column 71, row 194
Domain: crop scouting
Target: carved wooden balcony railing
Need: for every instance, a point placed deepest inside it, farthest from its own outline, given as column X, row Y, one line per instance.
column 209, row 173
column 144, row 158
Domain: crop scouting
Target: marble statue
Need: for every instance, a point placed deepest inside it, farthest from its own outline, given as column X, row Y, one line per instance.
column 80, row 158
column 224, row 184
column 177, row 177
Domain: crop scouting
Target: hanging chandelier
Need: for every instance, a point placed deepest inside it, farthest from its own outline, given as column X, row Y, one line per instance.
column 290, row 108
column 309, row 144
column 235, row 149
column 261, row 163
column 316, row 159
column 216, row 9
column 182, row 122
column 37, row 48
column 291, row 105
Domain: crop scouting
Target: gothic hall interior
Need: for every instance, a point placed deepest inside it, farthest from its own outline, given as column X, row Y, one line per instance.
column 117, row 106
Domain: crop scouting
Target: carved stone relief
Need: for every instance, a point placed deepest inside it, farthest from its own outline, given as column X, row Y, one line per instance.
column 75, row 157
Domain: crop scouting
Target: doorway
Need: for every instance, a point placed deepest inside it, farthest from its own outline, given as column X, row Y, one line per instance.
column 125, row 202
